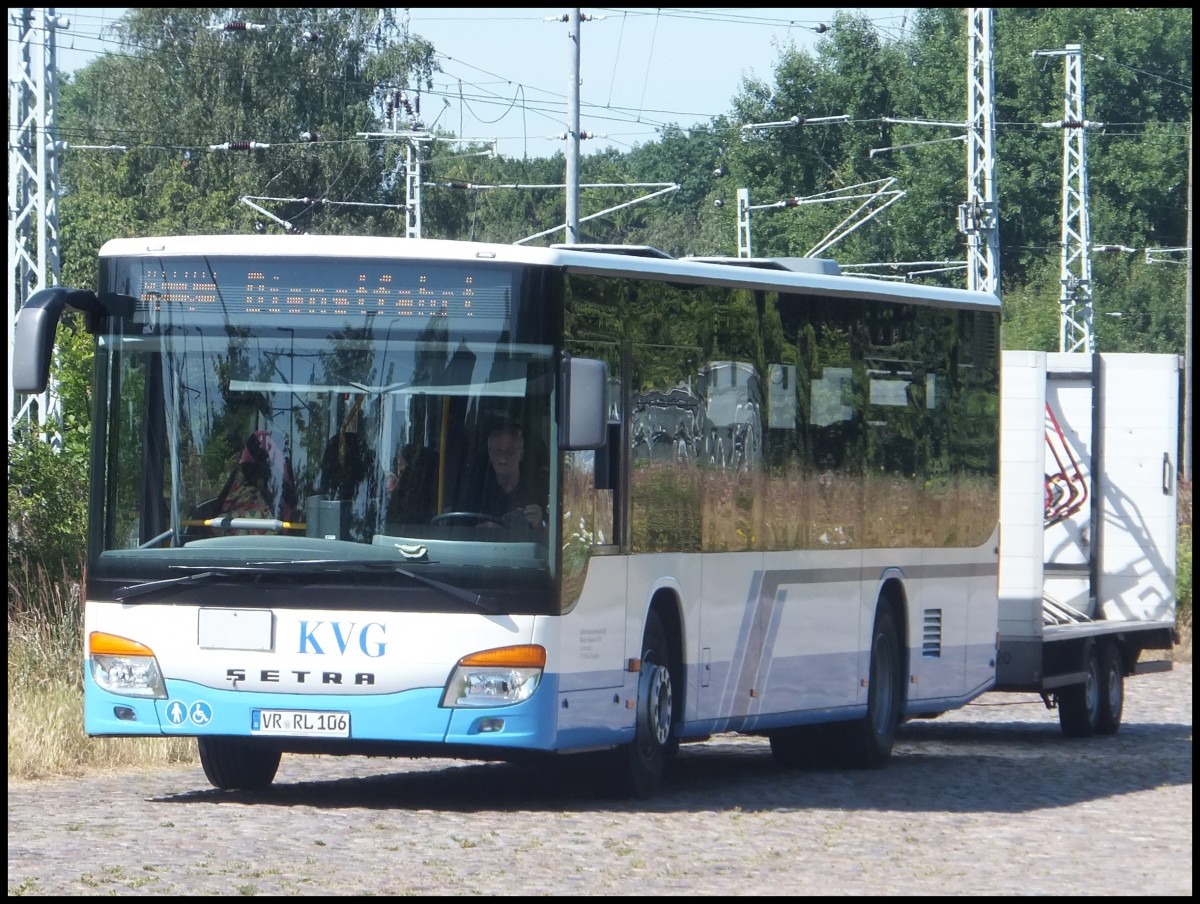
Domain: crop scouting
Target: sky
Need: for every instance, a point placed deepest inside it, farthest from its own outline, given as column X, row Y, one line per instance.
column 506, row 72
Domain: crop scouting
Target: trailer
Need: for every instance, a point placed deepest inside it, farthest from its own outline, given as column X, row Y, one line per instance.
column 1088, row 528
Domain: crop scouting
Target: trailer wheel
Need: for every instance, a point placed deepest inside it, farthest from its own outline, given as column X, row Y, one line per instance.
column 1079, row 705
column 1112, row 689
column 233, row 766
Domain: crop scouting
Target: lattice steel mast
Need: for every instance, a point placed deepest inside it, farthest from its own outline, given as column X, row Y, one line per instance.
column 979, row 218
column 33, row 160
column 1075, row 300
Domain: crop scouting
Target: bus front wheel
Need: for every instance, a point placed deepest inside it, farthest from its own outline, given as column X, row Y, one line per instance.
column 234, row 766
column 639, row 765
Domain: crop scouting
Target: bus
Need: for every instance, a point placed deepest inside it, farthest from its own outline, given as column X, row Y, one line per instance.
column 769, row 497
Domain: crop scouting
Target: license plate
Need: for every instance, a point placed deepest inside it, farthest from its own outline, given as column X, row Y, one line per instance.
column 236, row 629
column 299, row 723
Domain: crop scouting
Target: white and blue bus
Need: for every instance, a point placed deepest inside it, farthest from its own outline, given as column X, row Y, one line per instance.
column 768, row 497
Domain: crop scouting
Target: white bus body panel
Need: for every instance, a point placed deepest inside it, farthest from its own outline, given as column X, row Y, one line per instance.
column 590, row 650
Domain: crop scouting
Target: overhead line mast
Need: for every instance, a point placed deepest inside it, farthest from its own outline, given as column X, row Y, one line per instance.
column 1075, row 298
column 979, row 218
column 33, row 159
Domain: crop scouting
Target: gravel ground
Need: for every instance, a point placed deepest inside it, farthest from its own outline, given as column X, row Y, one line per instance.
column 987, row 800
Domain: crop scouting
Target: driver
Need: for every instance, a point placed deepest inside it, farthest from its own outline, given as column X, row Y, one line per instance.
column 506, row 491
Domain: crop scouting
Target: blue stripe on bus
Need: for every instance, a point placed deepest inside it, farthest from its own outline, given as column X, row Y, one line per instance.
column 409, row 716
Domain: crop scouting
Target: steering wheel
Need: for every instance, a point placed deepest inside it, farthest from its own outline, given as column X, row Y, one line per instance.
column 467, row 519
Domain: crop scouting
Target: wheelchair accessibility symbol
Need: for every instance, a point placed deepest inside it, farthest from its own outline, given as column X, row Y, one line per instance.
column 200, row 713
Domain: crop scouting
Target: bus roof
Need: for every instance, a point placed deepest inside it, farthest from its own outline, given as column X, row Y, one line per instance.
column 799, row 275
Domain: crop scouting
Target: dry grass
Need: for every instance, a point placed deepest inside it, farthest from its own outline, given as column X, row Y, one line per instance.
column 46, row 738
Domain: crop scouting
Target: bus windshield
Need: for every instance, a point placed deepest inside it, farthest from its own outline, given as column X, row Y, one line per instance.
column 325, row 415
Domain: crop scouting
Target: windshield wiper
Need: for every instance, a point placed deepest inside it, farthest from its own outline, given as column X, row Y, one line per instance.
column 316, row 566
column 486, row 603
column 478, row 600
column 132, row 590
column 199, row 573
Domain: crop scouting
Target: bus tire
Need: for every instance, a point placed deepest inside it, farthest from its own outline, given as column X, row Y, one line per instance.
column 1112, row 689
column 1079, row 705
column 639, row 764
column 867, row 742
column 235, row 766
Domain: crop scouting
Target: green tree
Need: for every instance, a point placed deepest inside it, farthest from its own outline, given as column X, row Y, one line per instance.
column 47, row 508
column 184, row 88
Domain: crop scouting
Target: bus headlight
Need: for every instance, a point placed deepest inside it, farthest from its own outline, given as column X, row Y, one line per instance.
column 498, row 677
column 124, row 666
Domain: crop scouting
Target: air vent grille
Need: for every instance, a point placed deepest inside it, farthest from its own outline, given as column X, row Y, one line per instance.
column 931, row 637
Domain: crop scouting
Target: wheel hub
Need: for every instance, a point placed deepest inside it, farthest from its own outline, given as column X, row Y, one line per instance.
column 655, row 702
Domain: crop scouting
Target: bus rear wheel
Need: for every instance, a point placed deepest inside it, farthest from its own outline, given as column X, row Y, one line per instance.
column 235, row 766
column 867, row 742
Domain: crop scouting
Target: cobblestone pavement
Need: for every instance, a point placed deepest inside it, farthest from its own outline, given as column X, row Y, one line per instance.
column 988, row 800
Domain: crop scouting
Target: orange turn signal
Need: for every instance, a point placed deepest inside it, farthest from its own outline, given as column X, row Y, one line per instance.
column 521, row 656
column 101, row 644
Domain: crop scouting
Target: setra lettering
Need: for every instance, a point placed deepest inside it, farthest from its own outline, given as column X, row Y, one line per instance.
column 272, row 676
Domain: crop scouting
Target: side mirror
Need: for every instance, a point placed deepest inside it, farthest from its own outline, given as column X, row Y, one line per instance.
column 584, row 392
column 33, row 338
